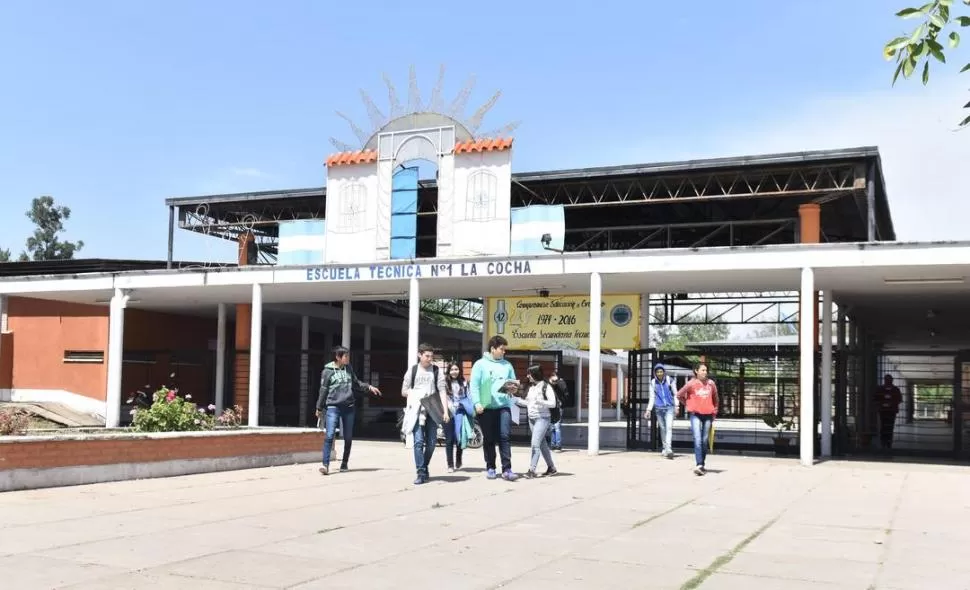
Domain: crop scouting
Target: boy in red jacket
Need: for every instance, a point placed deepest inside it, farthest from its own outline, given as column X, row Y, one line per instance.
column 699, row 396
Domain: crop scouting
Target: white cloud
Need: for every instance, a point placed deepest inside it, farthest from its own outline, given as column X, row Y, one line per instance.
column 248, row 172
column 924, row 158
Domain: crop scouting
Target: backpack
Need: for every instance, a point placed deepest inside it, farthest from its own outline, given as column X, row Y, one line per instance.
column 434, row 373
column 555, row 414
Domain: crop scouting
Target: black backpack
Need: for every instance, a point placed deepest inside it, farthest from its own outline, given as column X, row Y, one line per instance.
column 434, row 372
column 555, row 414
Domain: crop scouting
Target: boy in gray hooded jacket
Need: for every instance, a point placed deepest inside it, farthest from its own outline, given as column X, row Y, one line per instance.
column 338, row 388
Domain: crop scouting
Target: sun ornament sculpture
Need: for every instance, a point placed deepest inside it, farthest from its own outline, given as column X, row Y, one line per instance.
column 420, row 114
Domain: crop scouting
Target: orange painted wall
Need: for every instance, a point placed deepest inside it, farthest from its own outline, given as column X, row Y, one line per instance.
column 42, row 330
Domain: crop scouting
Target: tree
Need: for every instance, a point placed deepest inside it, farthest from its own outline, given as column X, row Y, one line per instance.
column 772, row 330
column 691, row 330
column 924, row 43
column 49, row 220
column 4, row 255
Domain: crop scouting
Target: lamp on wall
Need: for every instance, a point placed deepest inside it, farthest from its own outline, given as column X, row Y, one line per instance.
column 546, row 241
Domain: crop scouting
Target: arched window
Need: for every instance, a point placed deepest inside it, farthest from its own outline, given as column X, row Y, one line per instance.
column 353, row 208
column 482, row 196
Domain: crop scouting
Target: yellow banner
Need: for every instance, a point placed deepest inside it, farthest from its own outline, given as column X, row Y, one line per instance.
column 561, row 323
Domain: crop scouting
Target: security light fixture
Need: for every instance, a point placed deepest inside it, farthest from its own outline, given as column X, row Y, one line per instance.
column 546, row 241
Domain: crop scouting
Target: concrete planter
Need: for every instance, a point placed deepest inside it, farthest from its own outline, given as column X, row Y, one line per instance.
column 76, row 458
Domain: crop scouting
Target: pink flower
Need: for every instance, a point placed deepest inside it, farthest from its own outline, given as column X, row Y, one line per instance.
column 170, row 397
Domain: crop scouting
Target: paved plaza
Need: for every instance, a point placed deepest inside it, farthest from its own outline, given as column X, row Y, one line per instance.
column 621, row 520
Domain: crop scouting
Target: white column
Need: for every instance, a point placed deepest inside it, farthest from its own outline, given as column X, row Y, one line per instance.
column 304, row 368
column 345, row 326
column 269, row 385
column 595, row 366
column 806, row 335
column 620, row 391
column 645, row 320
column 486, row 321
column 826, row 393
column 414, row 318
column 3, row 313
column 116, row 337
column 219, row 399
column 579, row 390
column 255, row 353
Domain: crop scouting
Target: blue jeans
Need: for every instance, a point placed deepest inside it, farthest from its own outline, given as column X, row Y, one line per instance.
column 451, row 441
column 425, row 440
column 700, row 427
column 345, row 415
column 540, row 427
column 665, row 420
column 556, row 435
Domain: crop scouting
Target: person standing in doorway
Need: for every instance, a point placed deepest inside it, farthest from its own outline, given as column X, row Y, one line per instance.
column 663, row 401
column 887, row 399
column 339, row 387
column 559, row 388
column 699, row 396
column 540, row 399
column 491, row 389
column 423, row 381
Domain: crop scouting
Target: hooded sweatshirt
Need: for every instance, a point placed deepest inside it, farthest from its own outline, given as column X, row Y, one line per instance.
column 338, row 384
column 488, row 376
column 663, row 393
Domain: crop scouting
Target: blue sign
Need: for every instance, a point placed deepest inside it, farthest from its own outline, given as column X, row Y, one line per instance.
column 377, row 272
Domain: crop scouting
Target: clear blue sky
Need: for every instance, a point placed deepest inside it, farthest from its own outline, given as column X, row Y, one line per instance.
column 112, row 106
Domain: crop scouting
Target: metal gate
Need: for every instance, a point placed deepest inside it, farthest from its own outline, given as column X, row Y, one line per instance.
column 755, row 385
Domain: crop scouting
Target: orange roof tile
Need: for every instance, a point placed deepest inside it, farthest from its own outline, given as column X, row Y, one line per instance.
column 358, row 157
column 483, row 145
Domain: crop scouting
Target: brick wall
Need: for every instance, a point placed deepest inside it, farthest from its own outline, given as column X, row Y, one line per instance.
column 40, row 453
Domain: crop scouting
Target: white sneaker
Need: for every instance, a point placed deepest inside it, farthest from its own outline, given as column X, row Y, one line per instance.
column 698, row 470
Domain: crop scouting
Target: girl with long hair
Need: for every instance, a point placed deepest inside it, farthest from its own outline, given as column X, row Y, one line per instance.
column 457, row 389
column 700, row 398
column 540, row 400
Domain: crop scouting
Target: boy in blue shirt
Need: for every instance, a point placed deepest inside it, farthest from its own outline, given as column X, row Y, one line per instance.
column 491, row 391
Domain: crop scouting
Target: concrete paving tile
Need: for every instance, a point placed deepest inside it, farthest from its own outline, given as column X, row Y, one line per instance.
column 151, row 581
column 811, row 548
column 254, row 568
column 575, row 571
column 724, row 581
column 152, row 550
column 382, row 577
column 32, row 571
column 802, row 568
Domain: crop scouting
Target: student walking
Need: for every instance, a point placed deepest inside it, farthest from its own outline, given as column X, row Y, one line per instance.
column 421, row 418
column 700, row 397
column 491, row 389
column 663, row 401
column 540, row 399
column 338, row 389
column 459, row 404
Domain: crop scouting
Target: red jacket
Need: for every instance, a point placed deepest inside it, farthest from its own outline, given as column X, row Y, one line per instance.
column 699, row 397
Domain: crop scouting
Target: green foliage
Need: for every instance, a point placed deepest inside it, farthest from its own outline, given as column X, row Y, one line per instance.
column 45, row 243
column 691, row 330
column 925, row 43
column 779, row 423
column 171, row 412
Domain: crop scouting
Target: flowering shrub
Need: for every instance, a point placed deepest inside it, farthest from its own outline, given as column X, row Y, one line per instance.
column 170, row 412
column 13, row 422
column 231, row 418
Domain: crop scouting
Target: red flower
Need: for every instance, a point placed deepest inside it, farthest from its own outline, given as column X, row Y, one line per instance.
column 170, row 397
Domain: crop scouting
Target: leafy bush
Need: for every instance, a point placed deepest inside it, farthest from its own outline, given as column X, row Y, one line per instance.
column 13, row 422
column 170, row 412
